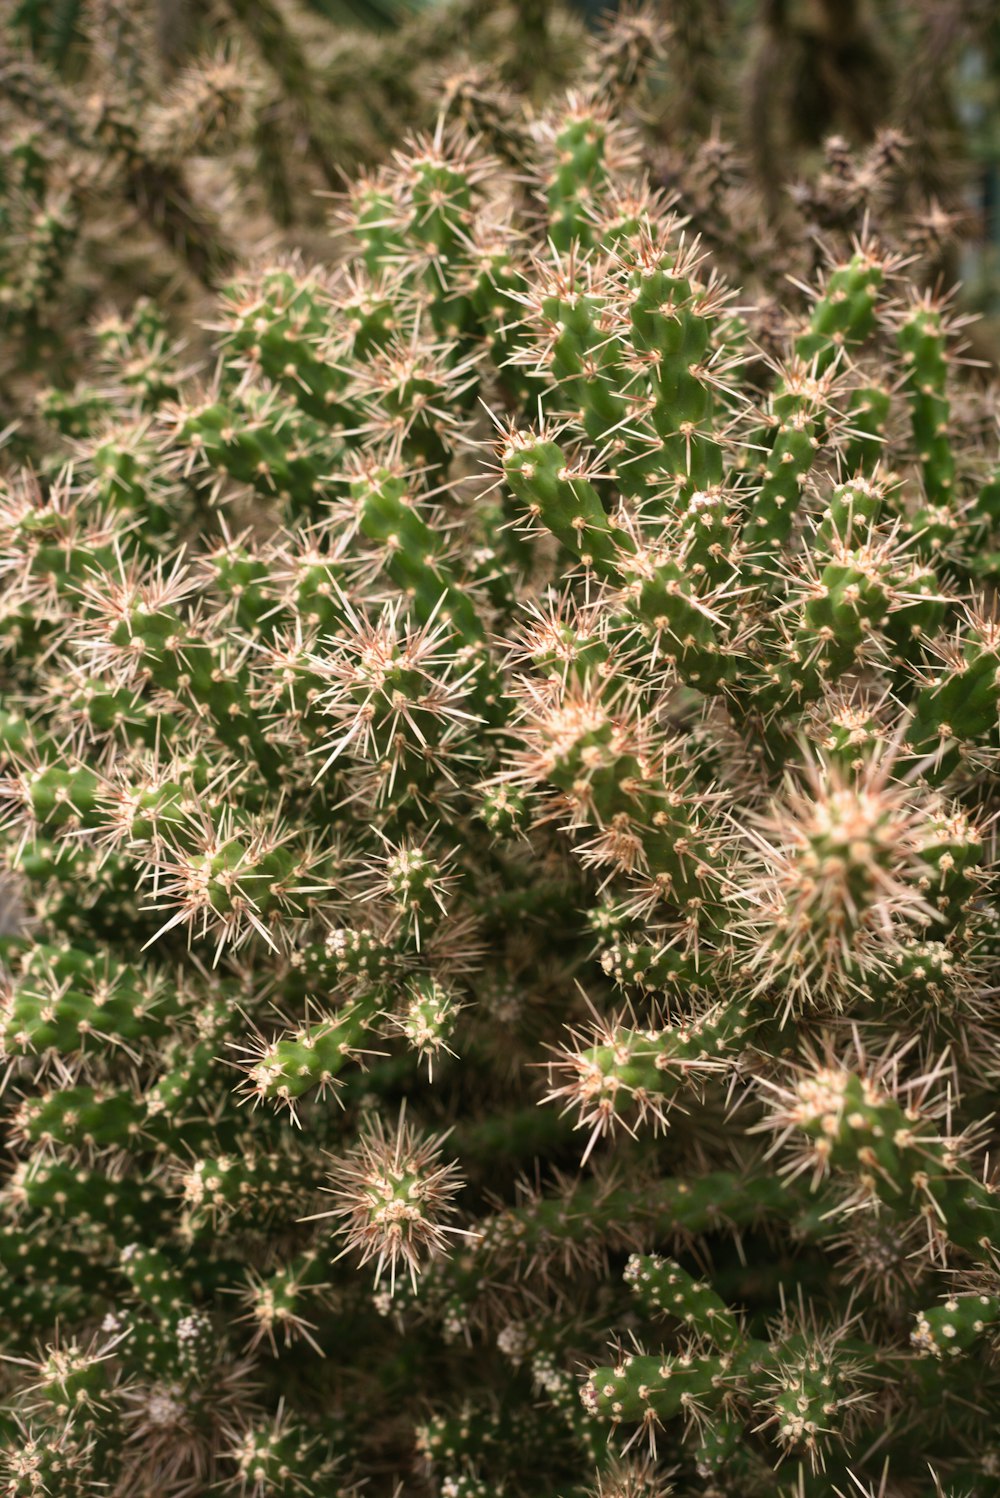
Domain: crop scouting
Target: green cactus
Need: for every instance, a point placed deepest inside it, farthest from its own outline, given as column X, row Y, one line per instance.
column 497, row 771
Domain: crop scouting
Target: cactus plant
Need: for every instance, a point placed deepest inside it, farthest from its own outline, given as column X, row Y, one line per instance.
column 497, row 780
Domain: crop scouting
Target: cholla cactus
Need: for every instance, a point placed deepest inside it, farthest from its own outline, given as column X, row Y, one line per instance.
column 493, row 689
column 118, row 144
column 151, row 145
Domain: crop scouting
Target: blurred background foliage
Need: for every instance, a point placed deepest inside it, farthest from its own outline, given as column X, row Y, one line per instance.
column 153, row 144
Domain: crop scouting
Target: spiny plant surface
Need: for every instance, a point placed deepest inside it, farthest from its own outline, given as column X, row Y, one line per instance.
column 499, row 783
column 151, row 144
